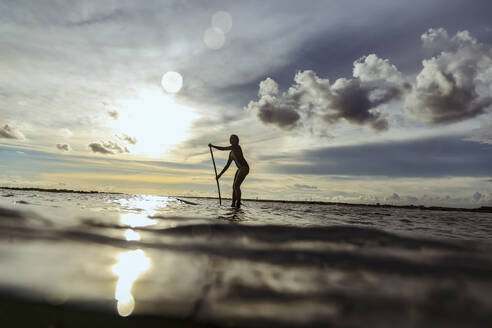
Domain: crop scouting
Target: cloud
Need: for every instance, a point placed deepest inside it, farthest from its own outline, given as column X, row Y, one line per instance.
column 113, row 114
column 268, row 87
column 394, row 197
column 9, row 132
column 313, row 100
column 130, row 140
column 426, row 157
column 447, row 88
column 272, row 110
column 343, row 196
column 371, row 68
column 435, row 38
column 305, row 187
column 64, row 147
column 98, row 148
column 482, row 134
column 452, row 86
column 108, row 148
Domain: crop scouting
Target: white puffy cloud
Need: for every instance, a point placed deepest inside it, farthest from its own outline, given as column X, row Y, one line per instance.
column 108, row 147
column 372, row 68
column 313, row 99
column 268, row 87
column 448, row 87
column 435, row 38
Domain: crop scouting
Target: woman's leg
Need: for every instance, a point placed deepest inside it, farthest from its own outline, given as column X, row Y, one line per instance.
column 234, row 193
column 238, row 180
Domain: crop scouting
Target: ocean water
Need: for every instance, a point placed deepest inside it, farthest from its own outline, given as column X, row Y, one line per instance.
column 267, row 264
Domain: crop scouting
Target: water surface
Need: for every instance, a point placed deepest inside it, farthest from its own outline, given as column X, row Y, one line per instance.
column 265, row 264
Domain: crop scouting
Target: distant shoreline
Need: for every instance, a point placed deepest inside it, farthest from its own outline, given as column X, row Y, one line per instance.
column 482, row 209
column 61, row 190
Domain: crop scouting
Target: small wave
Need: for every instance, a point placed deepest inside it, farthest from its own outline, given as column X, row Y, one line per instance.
column 186, row 201
column 10, row 216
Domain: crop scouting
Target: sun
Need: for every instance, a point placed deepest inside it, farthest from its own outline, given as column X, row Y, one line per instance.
column 155, row 120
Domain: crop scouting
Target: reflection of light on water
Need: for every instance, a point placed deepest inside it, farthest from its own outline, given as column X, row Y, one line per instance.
column 132, row 235
column 133, row 263
column 130, row 266
column 145, row 203
column 136, row 220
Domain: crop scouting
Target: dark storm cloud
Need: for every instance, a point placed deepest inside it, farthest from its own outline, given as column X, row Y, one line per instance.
column 9, row 132
column 447, row 88
column 108, row 148
column 376, row 82
column 63, row 147
column 430, row 157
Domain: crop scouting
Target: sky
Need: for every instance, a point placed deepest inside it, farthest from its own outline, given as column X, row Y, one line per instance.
column 347, row 101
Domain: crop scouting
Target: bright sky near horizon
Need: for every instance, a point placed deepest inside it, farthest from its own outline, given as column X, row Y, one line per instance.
column 353, row 101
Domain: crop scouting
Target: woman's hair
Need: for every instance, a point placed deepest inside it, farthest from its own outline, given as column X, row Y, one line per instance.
column 235, row 137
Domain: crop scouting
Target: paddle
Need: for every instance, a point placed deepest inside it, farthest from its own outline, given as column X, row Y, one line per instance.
column 215, row 169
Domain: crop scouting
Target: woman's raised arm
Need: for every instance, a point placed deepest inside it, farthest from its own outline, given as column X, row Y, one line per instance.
column 220, row 148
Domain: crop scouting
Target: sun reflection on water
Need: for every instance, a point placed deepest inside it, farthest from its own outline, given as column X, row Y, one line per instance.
column 130, row 266
column 132, row 235
column 136, row 220
column 133, row 263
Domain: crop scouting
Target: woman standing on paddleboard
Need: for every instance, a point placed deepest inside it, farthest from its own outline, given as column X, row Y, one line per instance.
column 235, row 155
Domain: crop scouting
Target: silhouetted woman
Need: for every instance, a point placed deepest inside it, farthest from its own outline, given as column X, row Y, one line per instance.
column 235, row 155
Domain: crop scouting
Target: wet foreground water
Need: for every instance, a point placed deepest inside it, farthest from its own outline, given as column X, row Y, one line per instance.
column 70, row 260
